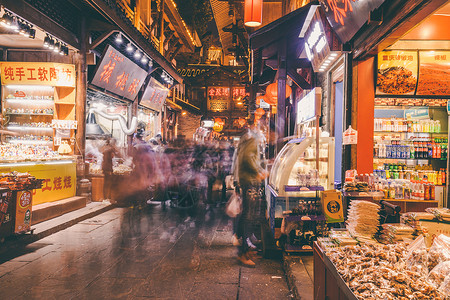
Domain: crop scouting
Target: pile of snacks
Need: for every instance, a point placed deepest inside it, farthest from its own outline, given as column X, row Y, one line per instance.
column 374, row 271
column 342, row 238
column 356, row 186
column 392, row 233
column 363, row 218
column 122, row 169
column 19, row 152
column 19, row 181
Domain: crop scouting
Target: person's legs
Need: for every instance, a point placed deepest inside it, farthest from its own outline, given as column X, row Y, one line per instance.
column 243, row 224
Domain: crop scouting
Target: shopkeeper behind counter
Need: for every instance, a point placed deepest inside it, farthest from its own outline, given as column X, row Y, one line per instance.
column 109, row 151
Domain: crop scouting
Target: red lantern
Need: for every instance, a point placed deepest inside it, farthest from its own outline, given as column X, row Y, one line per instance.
column 253, row 13
column 241, row 122
column 260, row 112
column 272, row 90
column 269, row 99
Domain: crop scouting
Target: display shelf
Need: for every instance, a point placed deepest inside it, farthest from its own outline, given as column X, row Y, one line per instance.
column 21, row 100
column 410, row 200
column 28, row 114
column 29, row 128
column 376, row 157
column 414, row 132
column 30, row 142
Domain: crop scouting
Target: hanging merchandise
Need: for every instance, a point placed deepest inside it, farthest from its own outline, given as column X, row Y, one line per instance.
column 350, row 136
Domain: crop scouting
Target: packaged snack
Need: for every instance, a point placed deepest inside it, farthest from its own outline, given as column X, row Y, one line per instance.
column 439, row 251
column 439, row 273
column 417, row 257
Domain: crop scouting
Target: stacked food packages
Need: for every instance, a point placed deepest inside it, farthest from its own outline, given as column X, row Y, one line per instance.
column 363, row 218
column 393, row 233
column 20, row 152
column 19, row 181
column 395, row 271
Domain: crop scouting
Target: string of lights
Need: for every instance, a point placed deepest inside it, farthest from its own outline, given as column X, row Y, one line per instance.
column 140, row 55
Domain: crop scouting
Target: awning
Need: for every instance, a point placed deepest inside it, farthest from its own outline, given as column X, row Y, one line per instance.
column 267, row 42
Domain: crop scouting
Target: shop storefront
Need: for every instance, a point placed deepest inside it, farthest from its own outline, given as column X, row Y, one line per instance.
column 401, row 118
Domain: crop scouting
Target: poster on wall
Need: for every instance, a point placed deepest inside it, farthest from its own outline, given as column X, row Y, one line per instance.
column 155, row 95
column 119, row 75
column 397, row 73
column 434, row 73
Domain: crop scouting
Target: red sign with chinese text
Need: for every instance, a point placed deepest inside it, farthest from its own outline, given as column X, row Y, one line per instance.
column 155, row 95
column 119, row 75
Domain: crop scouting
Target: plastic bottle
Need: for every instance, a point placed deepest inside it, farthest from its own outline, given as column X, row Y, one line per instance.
column 432, row 192
column 422, row 191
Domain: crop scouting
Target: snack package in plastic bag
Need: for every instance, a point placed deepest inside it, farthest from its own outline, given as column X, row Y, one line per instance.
column 445, row 287
column 439, row 251
column 417, row 256
column 439, row 273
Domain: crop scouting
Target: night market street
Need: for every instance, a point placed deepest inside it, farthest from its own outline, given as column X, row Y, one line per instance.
column 129, row 253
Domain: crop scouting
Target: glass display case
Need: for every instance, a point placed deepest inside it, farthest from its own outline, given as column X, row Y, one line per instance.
column 296, row 182
column 295, row 167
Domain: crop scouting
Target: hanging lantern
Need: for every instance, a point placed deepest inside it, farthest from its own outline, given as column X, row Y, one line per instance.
column 271, row 100
column 272, row 90
column 260, row 112
column 253, row 13
column 241, row 122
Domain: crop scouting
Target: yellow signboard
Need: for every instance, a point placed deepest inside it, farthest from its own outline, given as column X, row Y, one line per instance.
column 59, row 179
column 38, row 73
column 332, row 206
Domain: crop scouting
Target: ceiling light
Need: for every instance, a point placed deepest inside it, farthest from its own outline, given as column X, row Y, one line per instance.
column 47, row 42
column 119, row 38
column 61, row 50
column 137, row 54
column 57, row 47
column 129, row 47
column 144, row 59
column 14, row 25
column 23, row 29
column 150, row 63
column 6, row 20
column 32, row 33
column 51, row 44
column 66, row 50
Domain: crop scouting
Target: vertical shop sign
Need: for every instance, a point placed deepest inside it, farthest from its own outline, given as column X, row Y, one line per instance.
column 316, row 43
column 119, row 75
column 348, row 16
column 23, row 212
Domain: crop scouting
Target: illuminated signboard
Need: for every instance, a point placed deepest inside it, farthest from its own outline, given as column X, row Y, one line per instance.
column 39, row 73
column 239, row 93
column 218, row 98
column 306, row 107
column 316, row 43
column 155, row 95
column 119, row 75
column 348, row 16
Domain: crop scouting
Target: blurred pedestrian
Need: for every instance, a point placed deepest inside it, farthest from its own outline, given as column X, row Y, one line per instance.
column 109, row 151
column 249, row 177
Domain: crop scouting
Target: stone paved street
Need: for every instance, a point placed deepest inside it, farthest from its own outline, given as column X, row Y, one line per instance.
column 128, row 253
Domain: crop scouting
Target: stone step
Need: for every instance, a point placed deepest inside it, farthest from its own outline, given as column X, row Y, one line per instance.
column 46, row 211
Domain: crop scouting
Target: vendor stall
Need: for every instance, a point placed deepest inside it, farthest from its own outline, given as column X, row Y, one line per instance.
column 38, row 114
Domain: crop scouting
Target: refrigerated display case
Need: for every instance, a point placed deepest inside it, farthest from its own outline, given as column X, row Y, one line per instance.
column 296, row 184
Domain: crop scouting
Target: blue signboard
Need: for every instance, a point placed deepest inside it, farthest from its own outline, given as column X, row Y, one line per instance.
column 417, row 113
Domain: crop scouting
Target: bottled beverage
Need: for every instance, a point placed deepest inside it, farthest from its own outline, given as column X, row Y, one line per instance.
column 432, row 192
column 421, row 191
column 426, row 195
column 430, row 148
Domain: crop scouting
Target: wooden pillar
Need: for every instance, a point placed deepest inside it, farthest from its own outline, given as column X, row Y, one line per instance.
column 161, row 27
column 81, row 91
column 281, row 101
column 137, row 14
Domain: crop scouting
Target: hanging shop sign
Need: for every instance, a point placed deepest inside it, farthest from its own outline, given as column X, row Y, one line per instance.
column 397, row 73
column 350, row 136
column 38, row 73
column 434, row 77
column 316, row 44
column 306, row 107
column 347, row 17
column 155, row 95
column 119, row 75
column 218, row 98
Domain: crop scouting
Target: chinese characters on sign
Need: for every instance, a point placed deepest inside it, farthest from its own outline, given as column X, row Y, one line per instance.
column 39, row 73
column 316, row 43
column 239, row 93
column 155, row 95
column 397, row 72
column 57, row 183
column 119, row 75
column 218, row 98
column 348, row 16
